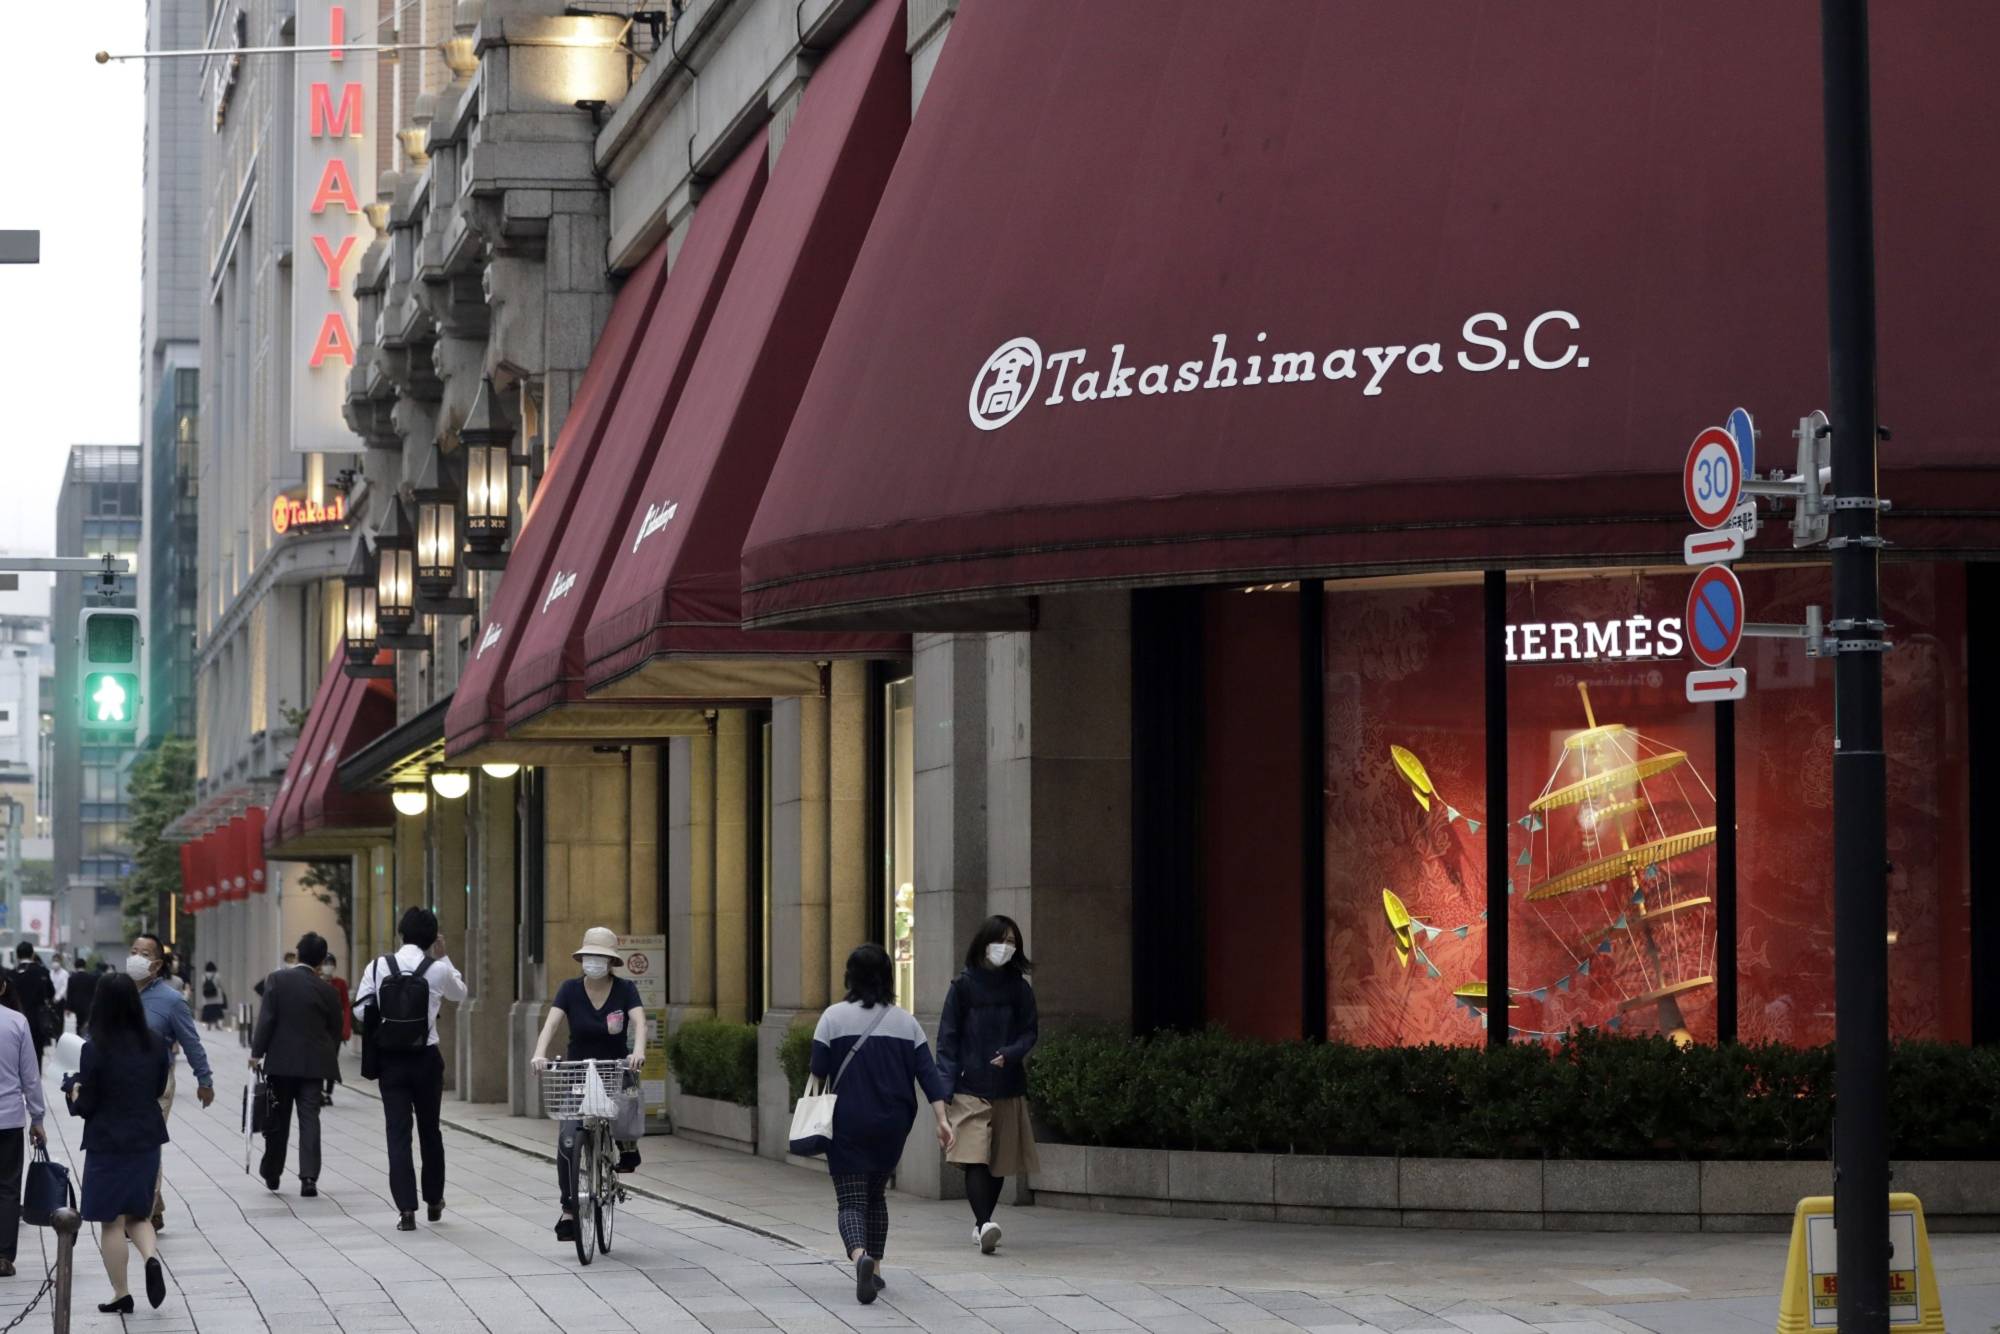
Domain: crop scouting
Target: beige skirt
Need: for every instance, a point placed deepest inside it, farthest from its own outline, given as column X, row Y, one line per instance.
column 994, row 1133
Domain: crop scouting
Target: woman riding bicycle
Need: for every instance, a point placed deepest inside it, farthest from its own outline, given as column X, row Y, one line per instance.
column 607, row 1022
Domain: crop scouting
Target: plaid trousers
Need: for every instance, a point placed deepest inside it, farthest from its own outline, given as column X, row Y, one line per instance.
column 864, row 1210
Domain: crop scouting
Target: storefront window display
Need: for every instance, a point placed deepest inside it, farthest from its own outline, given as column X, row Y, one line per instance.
column 1611, row 814
column 899, row 787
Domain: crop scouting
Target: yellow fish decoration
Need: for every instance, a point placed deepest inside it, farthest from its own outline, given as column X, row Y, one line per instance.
column 1399, row 922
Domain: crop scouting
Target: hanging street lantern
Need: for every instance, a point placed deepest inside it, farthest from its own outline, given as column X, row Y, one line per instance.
column 437, row 499
column 395, row 581
column 489, row 482
column 362, row 640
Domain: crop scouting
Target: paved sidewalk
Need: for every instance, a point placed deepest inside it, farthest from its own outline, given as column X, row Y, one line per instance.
column 243, row 1259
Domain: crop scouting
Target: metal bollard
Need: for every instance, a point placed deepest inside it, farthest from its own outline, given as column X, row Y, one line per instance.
column 67, row 1222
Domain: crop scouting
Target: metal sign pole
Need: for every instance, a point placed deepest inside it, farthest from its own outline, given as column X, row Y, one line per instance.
column 1861, row 954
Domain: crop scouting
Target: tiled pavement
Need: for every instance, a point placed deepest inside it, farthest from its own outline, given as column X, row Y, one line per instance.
column 243, row 1259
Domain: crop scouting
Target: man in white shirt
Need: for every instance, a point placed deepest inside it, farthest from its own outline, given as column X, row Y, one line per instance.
column 412, row 1079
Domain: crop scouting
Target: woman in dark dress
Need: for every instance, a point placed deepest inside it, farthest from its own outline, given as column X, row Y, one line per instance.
column 214, row 1004
column 116, row 1090
column 873, row 1055
column 607, row 1022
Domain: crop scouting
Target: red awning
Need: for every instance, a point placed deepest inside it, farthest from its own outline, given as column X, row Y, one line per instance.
column 324, row 819
column 669, row 624
column 477, row 709
column 190, row 879
column 1477, row 275
column 253, row 846
column 544, row 685
column 284, row 819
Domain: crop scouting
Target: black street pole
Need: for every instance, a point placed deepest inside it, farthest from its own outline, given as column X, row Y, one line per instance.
column 1725, row 871
column 1499, row 1014
column 1860, row 844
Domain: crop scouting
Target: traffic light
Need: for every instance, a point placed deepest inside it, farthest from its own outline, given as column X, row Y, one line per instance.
column 109, row 637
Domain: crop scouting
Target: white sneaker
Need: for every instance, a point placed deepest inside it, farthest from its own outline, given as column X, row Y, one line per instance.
column 989, row 1237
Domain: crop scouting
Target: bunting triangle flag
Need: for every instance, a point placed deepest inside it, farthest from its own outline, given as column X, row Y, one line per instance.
column 1450, row 814
column 1433, row 968
column 1482, row 914
column 1617, row 1021
column 1604, row 947
column 1461, row 931
column 1583, row 969
column 1539, row 994
column 1472, row 826
column 1563, row 985
column 1622, row 924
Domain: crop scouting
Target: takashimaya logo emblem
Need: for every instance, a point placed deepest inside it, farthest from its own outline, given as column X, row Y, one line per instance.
column 657, row 517
column 1009, row 380
column 559, row 587
column 999, row 391
column 487, row 640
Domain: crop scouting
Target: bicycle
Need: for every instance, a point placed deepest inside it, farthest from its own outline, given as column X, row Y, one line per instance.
column 594, row 1178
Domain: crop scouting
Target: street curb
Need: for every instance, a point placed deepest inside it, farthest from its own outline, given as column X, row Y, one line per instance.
column 643, row 1192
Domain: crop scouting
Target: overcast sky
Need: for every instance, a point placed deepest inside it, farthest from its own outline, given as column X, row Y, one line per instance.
column 70, row 164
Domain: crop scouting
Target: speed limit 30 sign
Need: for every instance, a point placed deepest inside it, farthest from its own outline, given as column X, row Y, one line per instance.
column 1712, row 477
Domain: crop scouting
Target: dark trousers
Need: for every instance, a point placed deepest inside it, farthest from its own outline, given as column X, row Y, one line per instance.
column 412, row 1087
column 863, row 1204
column 13, row 1144
column 286, row 1093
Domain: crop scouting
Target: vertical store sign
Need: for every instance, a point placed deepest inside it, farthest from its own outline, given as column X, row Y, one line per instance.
column 646, row 965
column 333, row 175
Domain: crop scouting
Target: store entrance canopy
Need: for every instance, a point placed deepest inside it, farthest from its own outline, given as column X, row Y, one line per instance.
column 544, row 686
column 323, row 817
column 669, row 625
column 476, row 716
column 1174, row 292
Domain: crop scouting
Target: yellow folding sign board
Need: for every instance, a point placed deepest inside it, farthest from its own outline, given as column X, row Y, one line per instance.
column 1812, row 1290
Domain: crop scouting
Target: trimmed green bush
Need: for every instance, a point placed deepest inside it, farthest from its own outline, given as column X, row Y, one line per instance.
column 1592, row 1096
column 795, row 1057
column 713, row 1059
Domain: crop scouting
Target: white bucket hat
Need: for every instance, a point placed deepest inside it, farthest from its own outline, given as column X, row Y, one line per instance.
column 601, row 941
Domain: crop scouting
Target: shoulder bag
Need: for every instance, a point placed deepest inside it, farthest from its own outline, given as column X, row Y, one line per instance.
column 46, row 1190
column 812, row 1119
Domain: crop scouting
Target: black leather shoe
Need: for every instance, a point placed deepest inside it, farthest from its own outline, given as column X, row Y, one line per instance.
column 406, row 1222
column 565, row 1229
column 6, row 1269
column 273, row 1183
column 117, row 1305
column 156, row 1283
column 436, row 1211
column 308, row 1189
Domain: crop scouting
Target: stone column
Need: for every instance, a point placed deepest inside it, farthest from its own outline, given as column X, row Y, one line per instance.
column 490, row 1055
column 643, row 772
column 1059, row 815
column 798, row 902
column 733, row 886
column 851, row 880
column 951, row 837
column 690, row 879
column 448, row 893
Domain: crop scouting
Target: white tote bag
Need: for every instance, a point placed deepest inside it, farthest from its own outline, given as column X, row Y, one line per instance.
column 812, row 1119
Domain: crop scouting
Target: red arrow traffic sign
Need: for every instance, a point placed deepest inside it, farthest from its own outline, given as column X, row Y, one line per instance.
column 1714, row 616
column 1712, row 477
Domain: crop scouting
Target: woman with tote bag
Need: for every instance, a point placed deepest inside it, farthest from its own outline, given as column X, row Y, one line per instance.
column 871, row 1054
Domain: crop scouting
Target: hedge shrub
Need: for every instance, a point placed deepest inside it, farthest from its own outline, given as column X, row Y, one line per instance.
column 795, row 1057
column 1592, row 1096
column 713, row 1059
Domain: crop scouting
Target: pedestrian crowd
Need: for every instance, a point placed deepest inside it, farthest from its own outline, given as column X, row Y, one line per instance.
column 870, row 1061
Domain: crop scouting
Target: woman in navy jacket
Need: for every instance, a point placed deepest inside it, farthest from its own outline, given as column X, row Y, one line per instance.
column 116, row 1090
column 872, row 1053
column 988, row 1027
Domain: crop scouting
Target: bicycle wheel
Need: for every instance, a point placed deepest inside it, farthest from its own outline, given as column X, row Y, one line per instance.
column 606, row 1209
column 582, row 1187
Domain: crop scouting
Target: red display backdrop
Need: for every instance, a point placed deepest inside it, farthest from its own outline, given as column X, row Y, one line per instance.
column 1404, row 669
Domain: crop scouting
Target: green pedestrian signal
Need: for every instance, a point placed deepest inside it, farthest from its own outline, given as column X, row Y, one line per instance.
column 109, row 689
column 109, row 698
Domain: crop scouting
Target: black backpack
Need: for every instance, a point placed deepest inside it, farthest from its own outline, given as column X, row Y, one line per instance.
column 403, row 1002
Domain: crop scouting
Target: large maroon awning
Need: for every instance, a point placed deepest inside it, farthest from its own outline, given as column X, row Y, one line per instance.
column 544, row 686
column 669, row 623
column 299, row 769
column 477, row 711
column 322, row 818
column 1478, row 274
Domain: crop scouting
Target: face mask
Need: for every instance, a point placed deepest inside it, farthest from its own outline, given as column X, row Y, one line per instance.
column 326, row 970
column 998, row 953
column 138, row 967
column 596, row 967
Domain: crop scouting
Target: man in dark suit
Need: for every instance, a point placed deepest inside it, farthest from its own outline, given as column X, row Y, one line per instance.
column 33, row 993
column 77, row 996
column 296, row 1044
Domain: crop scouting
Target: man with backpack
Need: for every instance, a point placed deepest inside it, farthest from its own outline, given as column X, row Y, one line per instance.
column 397, row 1002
